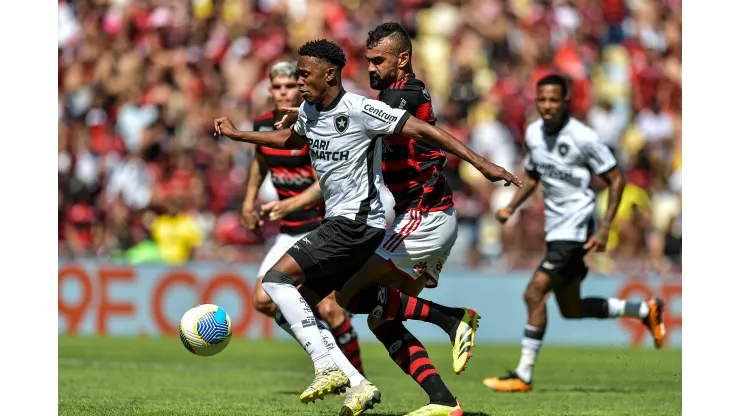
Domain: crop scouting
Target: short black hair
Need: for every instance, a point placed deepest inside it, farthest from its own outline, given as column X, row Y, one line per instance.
column 325, row 50
column 395, row 31
column 555, row 79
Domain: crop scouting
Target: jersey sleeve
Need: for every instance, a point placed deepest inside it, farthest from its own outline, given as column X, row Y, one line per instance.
column 299, row 127
column 412, row 97
column 598, row 156
column 528, row 164
column 378, row 118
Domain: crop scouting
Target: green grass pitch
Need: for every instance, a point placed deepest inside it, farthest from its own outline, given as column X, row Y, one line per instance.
column 130, row 377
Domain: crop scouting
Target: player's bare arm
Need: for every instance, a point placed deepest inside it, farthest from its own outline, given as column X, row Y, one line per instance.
column 278, row 139
column 616, row 182
column 422, row 130
column 257, row 174
column 528, row 187
column 278, row 209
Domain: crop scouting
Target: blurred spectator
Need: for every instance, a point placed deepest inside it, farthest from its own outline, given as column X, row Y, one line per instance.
column 140, row 82
column 175, row 232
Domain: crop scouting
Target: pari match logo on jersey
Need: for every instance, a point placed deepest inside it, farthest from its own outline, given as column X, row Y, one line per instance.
column 319, row 148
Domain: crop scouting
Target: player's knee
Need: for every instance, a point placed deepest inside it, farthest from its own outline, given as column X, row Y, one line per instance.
column 262, row 303
column 342, row 299
column 331, row 312
column 275, row 277
column 533, row 298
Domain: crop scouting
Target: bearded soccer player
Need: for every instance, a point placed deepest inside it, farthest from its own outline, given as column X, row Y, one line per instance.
column 561, row 153
column 291, row 174
column 343, row 131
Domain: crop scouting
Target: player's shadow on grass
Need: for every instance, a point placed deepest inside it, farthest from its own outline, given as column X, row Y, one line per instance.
column 590, row 389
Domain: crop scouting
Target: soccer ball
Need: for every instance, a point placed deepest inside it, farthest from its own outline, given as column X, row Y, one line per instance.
column 205, row 330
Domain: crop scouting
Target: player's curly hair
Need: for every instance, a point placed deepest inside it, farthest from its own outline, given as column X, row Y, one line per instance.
column 399, row 36
column 325, row 50
column 555, row 79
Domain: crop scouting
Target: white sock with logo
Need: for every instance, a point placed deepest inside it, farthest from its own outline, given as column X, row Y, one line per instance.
column 301, row 320
column 338, row 356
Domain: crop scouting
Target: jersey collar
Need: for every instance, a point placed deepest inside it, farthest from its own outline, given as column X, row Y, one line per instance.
column 335, row 101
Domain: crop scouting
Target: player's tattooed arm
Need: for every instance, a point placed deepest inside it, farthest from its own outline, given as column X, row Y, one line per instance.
column 312, row 196
column 257, row 174
column 422, row 130
column 277, row 139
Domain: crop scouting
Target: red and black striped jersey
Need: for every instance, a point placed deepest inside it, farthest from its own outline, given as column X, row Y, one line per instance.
column 413, row 169
column 291, row 174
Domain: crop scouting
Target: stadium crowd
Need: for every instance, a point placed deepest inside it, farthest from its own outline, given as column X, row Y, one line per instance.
column 142, row 178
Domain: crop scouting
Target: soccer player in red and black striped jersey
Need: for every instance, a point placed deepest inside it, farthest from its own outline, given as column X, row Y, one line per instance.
column 419, row 241
column 292, row 176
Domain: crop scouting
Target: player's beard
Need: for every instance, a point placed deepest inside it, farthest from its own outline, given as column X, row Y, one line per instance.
column 379, row 84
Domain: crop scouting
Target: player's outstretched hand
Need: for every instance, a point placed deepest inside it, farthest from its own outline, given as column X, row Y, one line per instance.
column 597, row 242
column 290, row 117
column 276, row 210
column 224, row 127
column 495, row 173
column 504, row 214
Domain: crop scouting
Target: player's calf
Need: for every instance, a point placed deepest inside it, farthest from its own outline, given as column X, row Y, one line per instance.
column 649, row 311
column 411, row 356
column 392, row 304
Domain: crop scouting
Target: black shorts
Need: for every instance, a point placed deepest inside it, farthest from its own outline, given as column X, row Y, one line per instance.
column 331, row 254
column 564, row 262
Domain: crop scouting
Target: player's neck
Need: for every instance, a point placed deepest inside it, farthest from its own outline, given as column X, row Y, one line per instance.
column 403, row 73
column 557, row 127
column 330, row 100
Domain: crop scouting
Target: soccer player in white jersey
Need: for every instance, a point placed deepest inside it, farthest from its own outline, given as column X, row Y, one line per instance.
column 561, row 153
column 292, row 175
column 343, row 131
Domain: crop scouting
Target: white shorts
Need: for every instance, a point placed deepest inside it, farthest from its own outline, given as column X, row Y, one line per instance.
column 282, row 243
column 418, row 244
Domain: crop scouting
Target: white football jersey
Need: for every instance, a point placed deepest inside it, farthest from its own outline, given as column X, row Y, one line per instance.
column 564, row 162
column 346, row 154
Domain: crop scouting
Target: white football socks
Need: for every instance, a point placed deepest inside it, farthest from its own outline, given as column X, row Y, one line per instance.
column 531, row 343
column 633, row 309
column 302, row 323
column 336, row 354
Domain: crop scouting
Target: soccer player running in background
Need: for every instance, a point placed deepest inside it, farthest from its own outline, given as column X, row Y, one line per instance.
column 561, row 153
column 291, row 174
column 343, row 131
